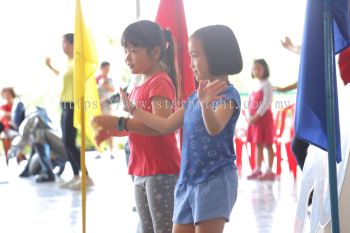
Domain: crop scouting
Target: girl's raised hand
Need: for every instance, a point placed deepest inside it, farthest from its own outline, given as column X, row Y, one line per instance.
column 48, row 61
column 128, row 105
column 287, row 43
column 209, row 92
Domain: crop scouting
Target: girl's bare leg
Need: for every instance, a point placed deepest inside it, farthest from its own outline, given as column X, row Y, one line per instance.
column 184, row 228
column 211, row 226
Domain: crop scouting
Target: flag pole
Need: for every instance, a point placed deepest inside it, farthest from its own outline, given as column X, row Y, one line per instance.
column 82, row 131
column 331, row 126
column 85, row 94
column 82, row 162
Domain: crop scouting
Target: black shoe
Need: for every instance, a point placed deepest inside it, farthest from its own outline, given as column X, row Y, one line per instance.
column 45, row 178
column 25, row 173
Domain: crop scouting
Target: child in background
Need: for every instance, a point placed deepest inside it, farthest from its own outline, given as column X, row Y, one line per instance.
column 105, row 90
column 8, row 96
column 154, row 159
column 207, row 188
column 261, row 124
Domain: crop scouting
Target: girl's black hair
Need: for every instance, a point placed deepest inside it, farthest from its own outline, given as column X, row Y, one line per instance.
column 265, row 66
column 221, row 49
column 147, row 34
column 69, row 37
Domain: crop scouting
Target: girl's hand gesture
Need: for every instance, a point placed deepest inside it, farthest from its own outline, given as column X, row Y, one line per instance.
column 209, row 92
column 104, row 122
column 128, row 105
column 48, row 62
column 102, row 135
column 287, row 43
column 253, row 119
column 103, row 126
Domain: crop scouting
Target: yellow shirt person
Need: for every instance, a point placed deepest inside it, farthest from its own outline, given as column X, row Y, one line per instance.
column 67, row 94
column 69, row 133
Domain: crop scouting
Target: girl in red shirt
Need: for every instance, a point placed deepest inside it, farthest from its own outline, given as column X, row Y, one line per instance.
column 8, row 95
column 154, row 160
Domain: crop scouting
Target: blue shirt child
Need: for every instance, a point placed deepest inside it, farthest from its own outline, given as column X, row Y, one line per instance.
column 203, row 155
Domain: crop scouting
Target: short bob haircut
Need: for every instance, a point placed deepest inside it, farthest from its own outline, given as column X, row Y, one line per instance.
column 265, row 66
column 9, row 90
column 221, row 49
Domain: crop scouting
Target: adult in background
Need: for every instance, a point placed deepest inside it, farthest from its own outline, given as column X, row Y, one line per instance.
column 69, row 133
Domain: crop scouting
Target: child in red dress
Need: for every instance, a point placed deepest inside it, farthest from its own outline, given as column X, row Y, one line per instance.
column 261, row 125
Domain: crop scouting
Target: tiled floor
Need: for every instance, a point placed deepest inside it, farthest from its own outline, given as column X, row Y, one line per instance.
column 25, row 206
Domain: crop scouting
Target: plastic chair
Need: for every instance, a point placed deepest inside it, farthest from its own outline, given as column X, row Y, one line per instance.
column 279, row 129
column 241, row 142
column 292, row 162
column 280, row 123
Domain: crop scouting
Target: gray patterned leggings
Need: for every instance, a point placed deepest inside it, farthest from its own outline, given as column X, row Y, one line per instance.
column 154, row 196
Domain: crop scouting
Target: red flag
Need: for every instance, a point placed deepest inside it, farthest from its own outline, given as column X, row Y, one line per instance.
column 171, row 15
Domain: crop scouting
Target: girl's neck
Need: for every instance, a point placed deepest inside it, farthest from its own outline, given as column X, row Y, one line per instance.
column 154, row 70
column 222, row 78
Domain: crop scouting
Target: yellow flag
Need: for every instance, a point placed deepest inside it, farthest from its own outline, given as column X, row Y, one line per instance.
column 85, row 65
column 86, row 99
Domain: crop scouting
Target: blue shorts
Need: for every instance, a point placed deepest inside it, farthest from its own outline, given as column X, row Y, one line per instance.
column 211, row 199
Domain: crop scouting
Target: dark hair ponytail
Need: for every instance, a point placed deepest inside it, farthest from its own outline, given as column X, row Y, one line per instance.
column 169, row 58
column 148, row 34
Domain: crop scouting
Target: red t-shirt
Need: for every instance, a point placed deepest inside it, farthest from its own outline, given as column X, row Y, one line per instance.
column 4, row 120
column 150, row 155
column 344, row 65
